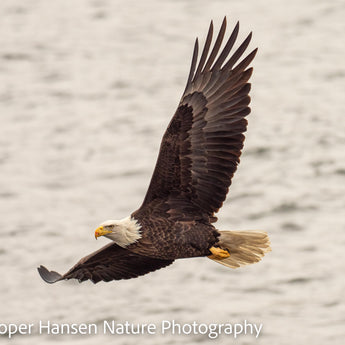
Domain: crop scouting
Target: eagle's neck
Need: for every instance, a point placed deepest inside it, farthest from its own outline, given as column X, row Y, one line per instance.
column 126, row 232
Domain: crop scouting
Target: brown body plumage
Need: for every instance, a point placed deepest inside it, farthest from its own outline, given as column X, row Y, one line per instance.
column 198, row 156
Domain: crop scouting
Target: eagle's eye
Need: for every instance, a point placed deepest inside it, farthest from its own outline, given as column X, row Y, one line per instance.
column 110, row 227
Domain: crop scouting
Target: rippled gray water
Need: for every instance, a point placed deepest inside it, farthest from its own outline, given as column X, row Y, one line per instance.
column 87, row 89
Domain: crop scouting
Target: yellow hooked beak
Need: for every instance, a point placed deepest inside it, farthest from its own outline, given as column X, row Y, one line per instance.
column 101, row 232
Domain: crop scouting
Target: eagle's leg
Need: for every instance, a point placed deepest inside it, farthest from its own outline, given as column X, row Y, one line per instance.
column 218, row 253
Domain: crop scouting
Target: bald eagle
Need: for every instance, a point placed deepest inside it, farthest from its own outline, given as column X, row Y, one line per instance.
column 198, row 156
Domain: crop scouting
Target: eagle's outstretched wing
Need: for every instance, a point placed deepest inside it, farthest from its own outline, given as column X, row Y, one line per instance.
column 111, row 262
column 201, row 147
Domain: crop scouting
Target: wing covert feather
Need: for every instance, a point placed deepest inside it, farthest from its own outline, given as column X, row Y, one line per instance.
column 201, row 147
column 110, row 262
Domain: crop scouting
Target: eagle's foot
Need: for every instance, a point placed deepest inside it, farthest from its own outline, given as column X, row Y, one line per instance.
column 218, row 253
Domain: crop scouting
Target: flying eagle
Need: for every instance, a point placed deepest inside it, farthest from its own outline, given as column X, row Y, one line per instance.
column 198, row 156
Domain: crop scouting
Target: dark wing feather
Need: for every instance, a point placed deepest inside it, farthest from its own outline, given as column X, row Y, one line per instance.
column 111, row 262
column 201, row 147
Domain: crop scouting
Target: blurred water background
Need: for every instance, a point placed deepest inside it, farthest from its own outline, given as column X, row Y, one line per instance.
column 87, row 89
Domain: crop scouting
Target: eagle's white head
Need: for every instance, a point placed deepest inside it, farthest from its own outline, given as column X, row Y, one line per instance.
column 123, row 232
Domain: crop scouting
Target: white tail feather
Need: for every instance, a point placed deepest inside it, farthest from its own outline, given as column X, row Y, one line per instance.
column 245, row 247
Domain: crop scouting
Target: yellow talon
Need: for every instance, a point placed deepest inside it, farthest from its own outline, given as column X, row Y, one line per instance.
column 218, row 253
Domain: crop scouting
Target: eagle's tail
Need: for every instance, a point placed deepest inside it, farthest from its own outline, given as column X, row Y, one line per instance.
column 245, row 247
